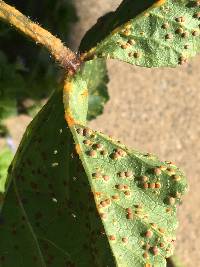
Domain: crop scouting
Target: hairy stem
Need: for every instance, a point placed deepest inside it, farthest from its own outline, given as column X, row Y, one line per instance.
column 63, row 55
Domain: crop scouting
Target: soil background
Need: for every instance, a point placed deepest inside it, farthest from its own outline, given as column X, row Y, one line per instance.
column 154, row 110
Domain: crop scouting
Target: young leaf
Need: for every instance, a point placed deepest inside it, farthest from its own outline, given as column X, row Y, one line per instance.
column 48, row 217
column 165, row 34
column 135, row 193
column 96, row 75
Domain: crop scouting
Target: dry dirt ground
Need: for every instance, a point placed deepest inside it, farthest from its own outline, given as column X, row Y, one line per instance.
column 154, row 110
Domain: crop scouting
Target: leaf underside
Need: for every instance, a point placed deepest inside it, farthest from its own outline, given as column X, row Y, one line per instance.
column 135, row 193
column 96, row 76
column 98, row 203
column 48, row 217
column 122, row 213
column 165, row 34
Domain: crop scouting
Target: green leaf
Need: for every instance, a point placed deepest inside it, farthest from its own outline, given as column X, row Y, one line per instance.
column 90, row 86
column 135, row 193
column 165, row 34
column 96, row 75
column 49, row 216
column 127, row 200
column 112, row 20
column 5, row 159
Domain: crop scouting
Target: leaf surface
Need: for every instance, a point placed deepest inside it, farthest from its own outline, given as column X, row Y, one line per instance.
column 96, row 75
column 119, row 211
column 48, row 216
column 163, row 34
column 135, row 193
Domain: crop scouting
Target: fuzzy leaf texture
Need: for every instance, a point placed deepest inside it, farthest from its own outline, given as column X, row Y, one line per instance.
column 136, row 194
column 147, row 33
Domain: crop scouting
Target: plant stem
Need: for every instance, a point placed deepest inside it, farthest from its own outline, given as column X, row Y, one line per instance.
column 63, row 55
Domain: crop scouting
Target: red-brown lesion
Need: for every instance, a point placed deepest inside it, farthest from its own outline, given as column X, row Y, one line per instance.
column 69, row 118
column 68, row 87
column 78, row 149
column 85, row 93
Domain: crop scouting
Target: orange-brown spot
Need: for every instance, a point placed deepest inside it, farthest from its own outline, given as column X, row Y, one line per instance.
column 162, row 230
column 145, row 255
column 159, row 3
column 106, row 177
column 78, row 149
column 115, row 197
column 85, row 93
column 125, row 240
column 97, row 194
column 68, row 87
column 129, row 216
column 149, row 234
column 112, row 237
column 127, row 26
column 70, row 120
column 158, row 185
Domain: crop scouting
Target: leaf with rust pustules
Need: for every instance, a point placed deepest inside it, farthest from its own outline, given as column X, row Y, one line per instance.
column 120, row 210
column 77, row 198
column 48, row 216
column 136, row 194
column 163, row 34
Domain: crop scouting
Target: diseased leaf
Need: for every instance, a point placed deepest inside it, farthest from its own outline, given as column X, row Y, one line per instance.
column 92, row 82
column 128, row 199
column 5, row 159
column 48, row 217
column 127, row 10
column 135, row 193
column 165, row 34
